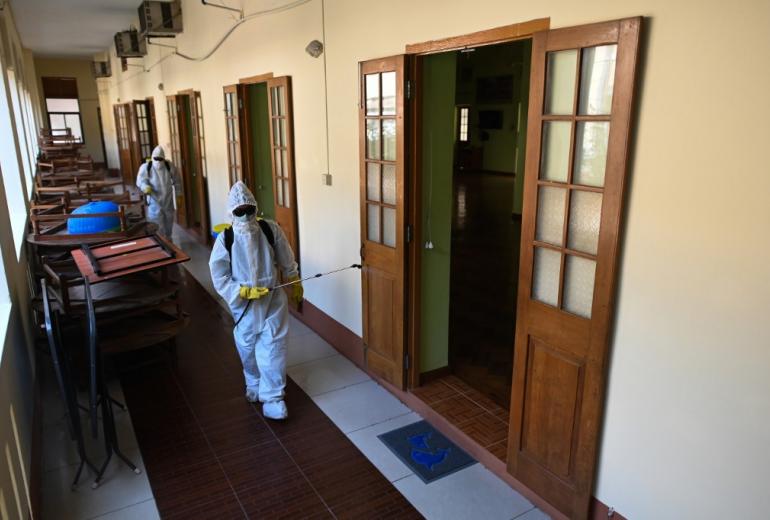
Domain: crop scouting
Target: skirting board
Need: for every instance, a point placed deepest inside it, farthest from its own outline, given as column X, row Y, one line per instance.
column 352, row 347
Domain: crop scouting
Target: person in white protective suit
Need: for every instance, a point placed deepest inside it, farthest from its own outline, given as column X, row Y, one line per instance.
column 243, row 277
column 159, row 179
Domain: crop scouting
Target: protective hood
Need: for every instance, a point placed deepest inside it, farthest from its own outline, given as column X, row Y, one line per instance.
column 240, row 195
column 158, row 152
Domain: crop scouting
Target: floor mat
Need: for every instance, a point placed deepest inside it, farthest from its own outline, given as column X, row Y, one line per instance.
column 210, row 454
column 428, row 453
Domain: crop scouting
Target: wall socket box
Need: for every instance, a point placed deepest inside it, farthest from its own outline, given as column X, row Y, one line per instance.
column 326, row 179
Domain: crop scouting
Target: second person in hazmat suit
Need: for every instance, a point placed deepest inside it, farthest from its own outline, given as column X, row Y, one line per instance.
column 243, row 277
column 159, row 180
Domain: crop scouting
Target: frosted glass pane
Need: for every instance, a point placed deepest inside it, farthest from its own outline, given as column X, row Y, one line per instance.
column 545, row 276
column 579, row 274
column 274, row 100
column 62, row 105
column 286, row 194
column 560, row 82
column 229, row 104
column 372, row 138
column 389, row 139
column 584, row 217
column 373, row 181
column 278, row 164
column 554, row 162
column 389, row 184
column 279, row 186
column 276, row 134
column 73, row 123
column 389, row 227
column 388, row 93
column 597, row 79
column 57, row 121
column 281, row 101
column 372, row 94
column 591, row 153
column 550, row 215
column 282, row 130
column 373, row 223
column 285, row 162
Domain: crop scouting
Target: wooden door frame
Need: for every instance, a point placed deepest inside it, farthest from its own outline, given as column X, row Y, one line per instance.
column 247, row 161
column 498, row 35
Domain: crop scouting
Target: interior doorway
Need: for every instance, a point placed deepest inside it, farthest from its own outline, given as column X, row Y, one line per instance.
column 473, row 135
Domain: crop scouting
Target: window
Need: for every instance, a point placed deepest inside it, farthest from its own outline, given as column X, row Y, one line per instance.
column 233, row 134
column 64, row 114
column 463, row 114
column 144, row 127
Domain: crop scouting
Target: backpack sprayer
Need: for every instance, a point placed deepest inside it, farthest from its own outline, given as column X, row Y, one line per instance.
column 287, row 284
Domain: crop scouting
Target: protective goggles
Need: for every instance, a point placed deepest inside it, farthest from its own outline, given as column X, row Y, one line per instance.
column 244, row 210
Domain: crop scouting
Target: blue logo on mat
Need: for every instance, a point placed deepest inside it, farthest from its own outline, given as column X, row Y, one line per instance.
column 422, row 454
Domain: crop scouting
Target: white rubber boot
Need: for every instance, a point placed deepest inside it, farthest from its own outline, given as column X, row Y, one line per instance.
column 275, row 410
column 252, row 396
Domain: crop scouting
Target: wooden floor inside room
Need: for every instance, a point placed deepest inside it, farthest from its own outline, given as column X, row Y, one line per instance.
column 210, row 454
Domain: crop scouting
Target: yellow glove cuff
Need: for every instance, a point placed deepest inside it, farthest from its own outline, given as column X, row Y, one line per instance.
column 244, row 292
column 148, row 190
column 255, row 293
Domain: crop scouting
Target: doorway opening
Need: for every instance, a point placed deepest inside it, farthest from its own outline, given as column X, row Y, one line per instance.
column 473, row 137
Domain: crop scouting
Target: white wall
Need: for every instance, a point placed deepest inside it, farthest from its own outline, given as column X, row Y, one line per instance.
column 687, row 424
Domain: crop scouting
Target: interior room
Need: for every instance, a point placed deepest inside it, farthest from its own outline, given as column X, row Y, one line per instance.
column 348, row 259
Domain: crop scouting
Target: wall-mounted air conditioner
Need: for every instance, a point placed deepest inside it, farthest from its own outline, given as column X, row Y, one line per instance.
column 160, row 19
column 101, row 69
column 128, row 44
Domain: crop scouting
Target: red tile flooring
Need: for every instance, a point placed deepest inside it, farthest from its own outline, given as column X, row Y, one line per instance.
column 469, row 410
column 210, row 454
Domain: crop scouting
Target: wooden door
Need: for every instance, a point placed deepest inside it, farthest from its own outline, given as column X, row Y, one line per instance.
column 383, row 242
column 144, row 130
column 282, row 148
column 581, row 94
column 124, row 142
column 133, row 133
column 177, row 155
column 233, row 102
column 198, row 168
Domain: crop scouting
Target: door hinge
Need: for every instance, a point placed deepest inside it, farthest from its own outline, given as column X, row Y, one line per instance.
column 406, row 361
column 408, row 233
column 409, row 89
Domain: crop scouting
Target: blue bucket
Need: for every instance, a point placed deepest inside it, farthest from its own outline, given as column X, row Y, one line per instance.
column 81, row 226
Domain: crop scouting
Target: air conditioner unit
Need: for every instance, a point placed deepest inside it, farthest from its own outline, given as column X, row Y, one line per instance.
column 101, row 69
column 160, row 19
column 128, row 44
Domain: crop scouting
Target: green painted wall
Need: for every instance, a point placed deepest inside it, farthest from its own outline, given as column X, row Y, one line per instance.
column 259, row 119
column 194, row 192
column 438, row 134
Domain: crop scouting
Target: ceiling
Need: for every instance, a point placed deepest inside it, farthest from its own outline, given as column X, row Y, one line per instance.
column 71, row 27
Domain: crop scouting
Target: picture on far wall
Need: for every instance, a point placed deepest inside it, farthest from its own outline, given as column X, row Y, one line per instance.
column 497, row 89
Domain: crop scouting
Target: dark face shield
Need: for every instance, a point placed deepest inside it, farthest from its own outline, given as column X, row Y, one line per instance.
column 241, row 211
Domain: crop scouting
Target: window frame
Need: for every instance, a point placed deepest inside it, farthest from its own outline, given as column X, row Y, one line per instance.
column 65, row 114
column 459, row 133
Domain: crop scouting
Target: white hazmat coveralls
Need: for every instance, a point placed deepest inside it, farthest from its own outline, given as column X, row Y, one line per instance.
column 261, row 334
column 163, row 184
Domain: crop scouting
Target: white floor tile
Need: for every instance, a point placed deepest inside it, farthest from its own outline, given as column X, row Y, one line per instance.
column 120, row 488
column 373, row 448
column 325, row 375
column 145, row 511
column 309, row 347
column 471, row 493
column 297, row 328
column 533, row 514
column 359, row 406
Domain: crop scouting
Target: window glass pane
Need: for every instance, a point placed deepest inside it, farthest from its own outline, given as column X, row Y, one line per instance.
column 228, row 104
column 545, row 276
column 373, row 222
column 389, row 227
column 389, row 184
column 550, row 215
column 73, row 123
column 285, row 162
column 373, row 181
column 584, row 219
column 372, row 138
column 282, row 130
column 597, row 79
column 279, row 186
column 274, row 100
column 62, row 105
column 389, row 139
column 57, row 121
column 286, row 193
column 276, row 134
column 278, row 164
column 579, row 274
column 554, row 162
column 591, row 140
column 372, row 94
column 281, row 101
column 388, row 93
column 560, row 81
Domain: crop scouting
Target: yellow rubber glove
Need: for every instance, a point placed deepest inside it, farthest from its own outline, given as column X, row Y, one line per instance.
column 298, row 292
column 148, row 189
column 253, row 293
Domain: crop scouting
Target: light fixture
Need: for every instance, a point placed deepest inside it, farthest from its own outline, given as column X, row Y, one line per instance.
column 314, row 48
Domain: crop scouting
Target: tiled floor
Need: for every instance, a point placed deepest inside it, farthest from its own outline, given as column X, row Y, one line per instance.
column 344, row 395
column 474, row 413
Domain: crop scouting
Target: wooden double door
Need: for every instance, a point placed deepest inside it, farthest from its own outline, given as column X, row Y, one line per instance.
column 136, row 134
column 580, row 103
column 259, row 127
column 188, row 155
